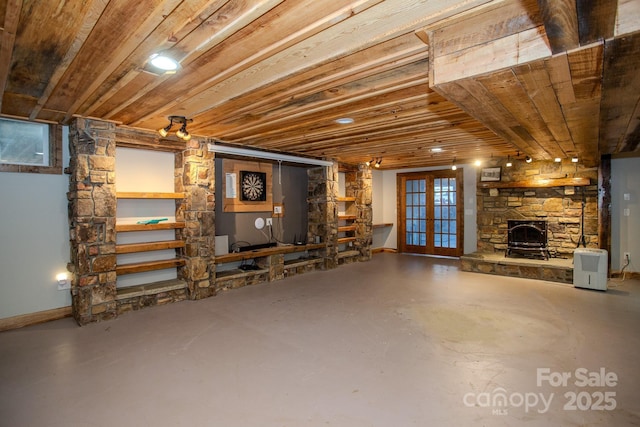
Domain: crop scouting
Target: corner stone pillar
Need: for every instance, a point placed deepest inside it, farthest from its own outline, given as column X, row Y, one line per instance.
column 195, row 176
column 360, row 187
column 323, row 210
column 92, row 220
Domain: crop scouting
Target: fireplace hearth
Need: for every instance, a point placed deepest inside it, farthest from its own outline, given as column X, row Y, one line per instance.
column 527, row 238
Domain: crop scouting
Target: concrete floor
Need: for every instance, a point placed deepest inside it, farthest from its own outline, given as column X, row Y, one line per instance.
column 400, row 341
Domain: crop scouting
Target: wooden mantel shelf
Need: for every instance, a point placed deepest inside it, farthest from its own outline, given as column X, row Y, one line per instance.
column 538, row 183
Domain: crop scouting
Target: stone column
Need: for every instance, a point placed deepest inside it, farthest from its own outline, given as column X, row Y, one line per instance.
column 92, row 220
column 359, row 186
column 195, row 176
column 323, row 211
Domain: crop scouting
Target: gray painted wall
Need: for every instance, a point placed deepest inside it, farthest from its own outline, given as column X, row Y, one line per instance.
column 289, row 188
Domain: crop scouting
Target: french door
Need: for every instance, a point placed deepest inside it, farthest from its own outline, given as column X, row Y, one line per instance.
column 430, row 212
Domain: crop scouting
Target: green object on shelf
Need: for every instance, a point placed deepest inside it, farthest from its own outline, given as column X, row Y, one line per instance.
column 152, row 221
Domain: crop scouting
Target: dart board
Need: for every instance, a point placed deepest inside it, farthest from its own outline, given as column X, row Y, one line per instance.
column 253, row 186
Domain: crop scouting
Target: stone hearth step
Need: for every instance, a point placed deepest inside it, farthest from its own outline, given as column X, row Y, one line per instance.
column 150, row 289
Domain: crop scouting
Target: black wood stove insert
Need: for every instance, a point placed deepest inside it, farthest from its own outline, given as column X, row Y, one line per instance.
column 527, row 237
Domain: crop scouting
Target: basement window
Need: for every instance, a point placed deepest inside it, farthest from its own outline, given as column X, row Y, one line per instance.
column 30, row 147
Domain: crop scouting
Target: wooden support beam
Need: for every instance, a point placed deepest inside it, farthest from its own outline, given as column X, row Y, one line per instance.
column 604, row 205
column 596, row 20
column 561, row 24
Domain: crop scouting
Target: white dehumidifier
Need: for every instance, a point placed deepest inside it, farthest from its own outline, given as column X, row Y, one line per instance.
column 590, row 268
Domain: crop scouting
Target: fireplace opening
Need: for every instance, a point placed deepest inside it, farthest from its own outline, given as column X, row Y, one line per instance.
column 527, row 238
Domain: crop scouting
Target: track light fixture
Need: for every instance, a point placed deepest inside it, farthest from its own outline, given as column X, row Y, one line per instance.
column 377, row 165
column 509, row 163
column 528, row 159
column 180, row 133
column 453, row 165
column 370, row 162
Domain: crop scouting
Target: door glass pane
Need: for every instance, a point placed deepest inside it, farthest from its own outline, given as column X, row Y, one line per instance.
column 437, row 240
column 423, row 185
column 437, row 212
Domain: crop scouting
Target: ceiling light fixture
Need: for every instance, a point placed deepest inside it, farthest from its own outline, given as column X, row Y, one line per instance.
column 453, row 166
column 344, row 120
column 574, row 159
column 377, row 165
column 557, row 160
column 478, row 163
column 528, row 159
column 369, row 162
column 509, row 163
column 164, row 63
column 182, row 132
column 436, row 150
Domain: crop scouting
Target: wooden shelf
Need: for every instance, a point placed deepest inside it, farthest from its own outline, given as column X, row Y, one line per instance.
column 241, row 256
column 149, row 227
column 347, row 217
column 346, row 199
column 386, row 224
column 342, row 240
column 130, row 248
column 347, row 228
column 143, row 195
column 140, row 267
column 538, row 183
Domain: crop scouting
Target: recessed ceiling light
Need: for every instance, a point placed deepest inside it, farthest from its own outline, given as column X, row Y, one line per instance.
column 164, row 62
column 345, row 120
column 436, row 150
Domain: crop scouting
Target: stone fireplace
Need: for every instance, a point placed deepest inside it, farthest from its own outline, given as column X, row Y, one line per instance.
column 562, row 196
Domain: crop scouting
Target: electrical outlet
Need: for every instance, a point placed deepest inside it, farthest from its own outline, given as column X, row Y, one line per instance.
column 269, row 222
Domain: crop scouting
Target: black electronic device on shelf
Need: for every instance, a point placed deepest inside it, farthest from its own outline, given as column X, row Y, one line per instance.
column 258, row 246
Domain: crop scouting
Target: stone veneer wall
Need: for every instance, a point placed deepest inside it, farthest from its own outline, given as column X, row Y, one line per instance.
column 323, row 211
column 195, row 176
column 561, row 207
column 92, row 220
column 358, row 184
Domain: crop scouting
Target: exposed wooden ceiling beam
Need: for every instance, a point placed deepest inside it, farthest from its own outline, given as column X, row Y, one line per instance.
column 94, row 12
column 596, row 20
column 561, row 24
column 11, row 19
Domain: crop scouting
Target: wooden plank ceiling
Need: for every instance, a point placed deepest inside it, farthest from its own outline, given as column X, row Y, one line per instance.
column 476, row 78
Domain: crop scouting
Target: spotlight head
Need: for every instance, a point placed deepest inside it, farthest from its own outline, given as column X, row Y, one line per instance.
column 574, row 159
column 165, row 130
column 509, row 164
column 528, row 159
column 454, row 167
column 377, row 165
